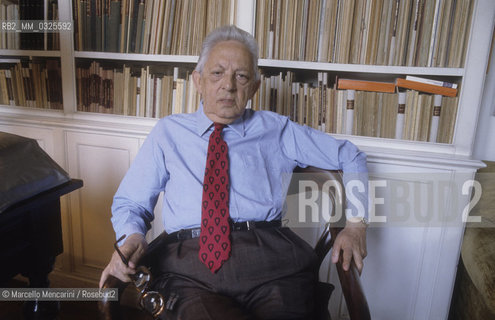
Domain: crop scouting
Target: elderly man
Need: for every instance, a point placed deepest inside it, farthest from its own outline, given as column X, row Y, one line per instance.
column 221, row 171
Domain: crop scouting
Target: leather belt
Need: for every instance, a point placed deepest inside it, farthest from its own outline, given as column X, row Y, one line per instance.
column 186, row 234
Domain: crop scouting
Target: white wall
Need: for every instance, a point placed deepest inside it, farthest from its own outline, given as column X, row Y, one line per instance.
column 484, row 145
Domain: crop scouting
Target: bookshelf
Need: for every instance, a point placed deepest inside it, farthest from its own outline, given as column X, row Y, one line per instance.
column 244, row 14
column 92, row 145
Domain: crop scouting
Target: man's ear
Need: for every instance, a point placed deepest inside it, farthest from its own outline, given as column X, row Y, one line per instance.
column 256, row 86
column 197, row 81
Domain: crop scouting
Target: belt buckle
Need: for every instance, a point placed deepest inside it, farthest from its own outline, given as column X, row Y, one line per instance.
column 179, row 234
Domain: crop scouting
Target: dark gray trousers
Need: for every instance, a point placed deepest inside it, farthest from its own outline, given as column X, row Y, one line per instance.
column 270, row 275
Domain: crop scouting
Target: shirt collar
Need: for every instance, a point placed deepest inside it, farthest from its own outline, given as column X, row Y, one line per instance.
column 204, row 123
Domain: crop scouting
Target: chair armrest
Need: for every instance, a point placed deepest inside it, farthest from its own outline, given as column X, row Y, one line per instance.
column 110, row 310
column 357, row 305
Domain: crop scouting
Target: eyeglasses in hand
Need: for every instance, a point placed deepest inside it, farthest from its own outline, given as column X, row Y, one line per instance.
column 151, row 301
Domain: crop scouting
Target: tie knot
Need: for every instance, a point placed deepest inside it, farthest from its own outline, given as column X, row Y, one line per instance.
column 219, row 126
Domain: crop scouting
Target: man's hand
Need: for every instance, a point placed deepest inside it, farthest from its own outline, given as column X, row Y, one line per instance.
column 352, row 241
column 133, row 248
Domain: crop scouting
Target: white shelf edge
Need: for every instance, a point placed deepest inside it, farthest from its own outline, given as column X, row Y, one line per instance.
column 27, row 111
column 369, row 143
column 95, row 122
column 136, row 57
column 415, row 153
column 286, row 64
column 360, row 68
column 30, row 53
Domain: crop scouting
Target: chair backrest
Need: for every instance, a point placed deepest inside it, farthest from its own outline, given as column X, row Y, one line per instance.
column 336, row 195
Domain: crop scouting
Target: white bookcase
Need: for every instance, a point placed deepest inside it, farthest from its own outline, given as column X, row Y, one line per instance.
column 409, row 273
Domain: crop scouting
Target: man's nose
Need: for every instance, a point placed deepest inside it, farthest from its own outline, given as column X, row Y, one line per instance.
column 229, row 82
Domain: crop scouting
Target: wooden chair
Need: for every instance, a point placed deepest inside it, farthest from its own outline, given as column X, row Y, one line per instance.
column 349, row 280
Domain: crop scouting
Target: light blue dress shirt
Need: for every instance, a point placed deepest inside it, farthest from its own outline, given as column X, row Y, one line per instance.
column 264, row 148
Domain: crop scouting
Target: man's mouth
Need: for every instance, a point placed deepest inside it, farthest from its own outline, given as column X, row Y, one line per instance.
column 227, row 101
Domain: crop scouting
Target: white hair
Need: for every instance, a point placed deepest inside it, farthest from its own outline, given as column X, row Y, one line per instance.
column 228, row 33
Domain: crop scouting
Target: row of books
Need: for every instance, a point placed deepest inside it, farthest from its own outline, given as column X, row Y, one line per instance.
column 141, row 91
column 423, row 33
column 408, row 114
column 13, row 12
column 33, row 83
column 158, row 91
column 147, row 26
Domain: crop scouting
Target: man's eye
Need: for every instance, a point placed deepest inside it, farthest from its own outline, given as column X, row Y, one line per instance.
column 243, row 78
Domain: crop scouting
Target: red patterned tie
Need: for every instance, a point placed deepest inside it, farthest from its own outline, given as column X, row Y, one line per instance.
column 214, row 240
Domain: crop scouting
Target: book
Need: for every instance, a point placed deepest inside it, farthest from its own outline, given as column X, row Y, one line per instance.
column 425, row 87
column 349, row 114
column 358, row 29
column 98, row 27
column 330, row 110
column 433, row 35
column 366, row 44
column 377, row 8
column 443, row 33
column 295, row 101
column 460, row 32
column 412, row 97
column 139, row 27
column 323, row 85
column 366, row 85
column 384, row 33
column 365, row 116
column 112, row 41
column 446, row 123
column 422, row 119
column 4, row 94
column 435, row 118
column 404, row 21
column 401, row 109
column 393, row 39
column 8, row 76
column 175, row 95
column 425, row 31
column 433, row 82
column 346, row 12
column 388, row 115
column 340, row 111
column 418, row 7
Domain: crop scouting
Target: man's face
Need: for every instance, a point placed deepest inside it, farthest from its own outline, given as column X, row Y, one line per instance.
column 227, row 82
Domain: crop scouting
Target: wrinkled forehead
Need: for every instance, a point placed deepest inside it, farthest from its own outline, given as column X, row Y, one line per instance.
column 230, row 53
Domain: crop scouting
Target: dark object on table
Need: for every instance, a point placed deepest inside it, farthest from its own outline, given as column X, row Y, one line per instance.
column 25, row 170
column 31, row 185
